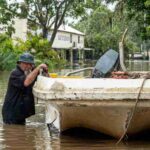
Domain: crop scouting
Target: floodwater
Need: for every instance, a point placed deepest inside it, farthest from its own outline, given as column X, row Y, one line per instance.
column 36, row 136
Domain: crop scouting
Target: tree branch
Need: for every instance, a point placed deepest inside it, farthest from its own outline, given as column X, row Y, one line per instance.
column 34, row 21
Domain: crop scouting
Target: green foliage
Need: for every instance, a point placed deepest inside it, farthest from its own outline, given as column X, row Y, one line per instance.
column 147, row 3
column 42, row 51
column 148, row 30
column 132, row 46
column 6, row 17
column 139, row 9
column 104, row 28
column 101, row 34
column 8, row 57
column 138, row 5
column 39, row 47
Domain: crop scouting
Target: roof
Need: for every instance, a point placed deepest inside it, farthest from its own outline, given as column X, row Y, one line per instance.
column 69, row 29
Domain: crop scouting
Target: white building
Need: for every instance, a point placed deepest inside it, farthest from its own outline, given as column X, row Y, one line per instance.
column 70, row 41
column 68, row 37
column 20, row 27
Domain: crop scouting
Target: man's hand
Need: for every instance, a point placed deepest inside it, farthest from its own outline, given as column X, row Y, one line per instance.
column 43, row 66
column 31, row 77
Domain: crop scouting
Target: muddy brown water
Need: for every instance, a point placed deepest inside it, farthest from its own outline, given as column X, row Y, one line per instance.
column 36, row 136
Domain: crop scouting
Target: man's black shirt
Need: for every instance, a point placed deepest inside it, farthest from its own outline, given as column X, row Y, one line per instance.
column 19, row 100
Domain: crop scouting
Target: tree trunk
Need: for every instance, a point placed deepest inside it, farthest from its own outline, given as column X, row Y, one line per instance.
column 121, row 54
column 53, row 36
column 44, row 32
column 121, row 51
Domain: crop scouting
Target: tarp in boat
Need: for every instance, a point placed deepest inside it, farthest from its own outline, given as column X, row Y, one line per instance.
column 107, row 62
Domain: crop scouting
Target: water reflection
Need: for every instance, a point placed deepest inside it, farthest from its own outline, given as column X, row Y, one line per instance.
column 17, row 137
column 138, row 65
column 27, row 137
column 37, row 137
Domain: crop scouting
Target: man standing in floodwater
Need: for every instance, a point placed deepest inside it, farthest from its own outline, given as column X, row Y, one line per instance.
column 19, row 100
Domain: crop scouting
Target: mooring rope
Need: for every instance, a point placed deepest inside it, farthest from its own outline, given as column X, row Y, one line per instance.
column 54, row 118
column 132, row 112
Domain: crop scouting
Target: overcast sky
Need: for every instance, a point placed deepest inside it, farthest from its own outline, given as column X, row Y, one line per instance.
column 11, row 1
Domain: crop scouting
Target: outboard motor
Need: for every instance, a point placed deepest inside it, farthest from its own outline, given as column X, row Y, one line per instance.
column 107, row 62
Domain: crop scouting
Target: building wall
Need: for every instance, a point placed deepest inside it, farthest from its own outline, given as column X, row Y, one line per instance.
column 63, row 40
column 20, row 29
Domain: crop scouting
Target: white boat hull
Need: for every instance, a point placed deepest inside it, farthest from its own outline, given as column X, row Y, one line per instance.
column 107, row 108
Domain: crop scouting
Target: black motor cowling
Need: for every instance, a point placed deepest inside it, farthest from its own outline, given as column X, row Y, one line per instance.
column 106, row 63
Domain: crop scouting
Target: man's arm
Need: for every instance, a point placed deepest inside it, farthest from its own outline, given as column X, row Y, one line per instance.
column 31, row 76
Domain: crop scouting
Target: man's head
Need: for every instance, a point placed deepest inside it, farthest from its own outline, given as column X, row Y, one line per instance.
column 26, row 61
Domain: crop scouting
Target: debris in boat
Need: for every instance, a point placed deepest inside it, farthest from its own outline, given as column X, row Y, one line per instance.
column 119, row 75
column 129, row 75
column 139, row 75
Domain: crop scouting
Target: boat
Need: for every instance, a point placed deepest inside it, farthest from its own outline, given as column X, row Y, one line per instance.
column 111, row 106
column 109, row 101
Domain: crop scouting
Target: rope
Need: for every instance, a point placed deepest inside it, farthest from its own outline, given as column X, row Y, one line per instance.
column 132, row 113
column 54, row 118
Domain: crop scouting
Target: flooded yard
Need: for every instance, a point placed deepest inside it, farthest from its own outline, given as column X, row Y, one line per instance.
column 35, row 134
